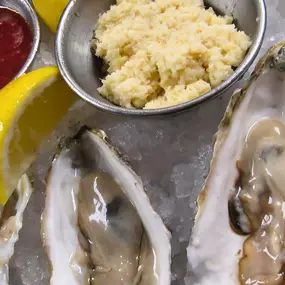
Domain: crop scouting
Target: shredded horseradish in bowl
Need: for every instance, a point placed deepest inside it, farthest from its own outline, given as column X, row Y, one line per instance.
column 165, row 52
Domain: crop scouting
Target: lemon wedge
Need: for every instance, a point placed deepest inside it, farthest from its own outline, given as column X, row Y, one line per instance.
column 50, row 11
column 30, row 108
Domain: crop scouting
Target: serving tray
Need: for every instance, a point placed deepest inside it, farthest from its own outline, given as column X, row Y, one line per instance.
column 171, row 154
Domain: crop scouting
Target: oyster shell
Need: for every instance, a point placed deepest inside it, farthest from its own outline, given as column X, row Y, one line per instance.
column 11, row 223
column 239, row 235
column 98, row 224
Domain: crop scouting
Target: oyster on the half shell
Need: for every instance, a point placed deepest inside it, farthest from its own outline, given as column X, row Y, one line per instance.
column 11, row 223
column 239, row 233
column 98, row 224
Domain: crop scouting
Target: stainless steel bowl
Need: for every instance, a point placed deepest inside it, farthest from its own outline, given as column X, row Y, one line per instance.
column 82, row 72
column 25, row 9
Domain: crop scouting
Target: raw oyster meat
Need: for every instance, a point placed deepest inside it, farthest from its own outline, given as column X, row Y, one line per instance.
column 239, row 233
column 11, row 223
column 98, row 224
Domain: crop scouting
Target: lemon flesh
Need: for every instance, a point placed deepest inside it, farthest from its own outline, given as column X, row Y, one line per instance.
column 30, row 108
column 50, row 11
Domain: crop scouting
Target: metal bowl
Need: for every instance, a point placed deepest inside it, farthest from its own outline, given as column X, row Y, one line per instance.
column 82, row 71
column 27, row 12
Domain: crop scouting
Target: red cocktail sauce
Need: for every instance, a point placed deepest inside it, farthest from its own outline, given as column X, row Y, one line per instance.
column 16, row 40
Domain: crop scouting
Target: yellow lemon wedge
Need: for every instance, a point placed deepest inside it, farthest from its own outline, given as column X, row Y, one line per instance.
column 50, row 11
column 30, row 109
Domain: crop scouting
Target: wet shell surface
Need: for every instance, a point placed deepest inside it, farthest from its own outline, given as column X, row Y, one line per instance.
column 239, row 235
column 98, row 225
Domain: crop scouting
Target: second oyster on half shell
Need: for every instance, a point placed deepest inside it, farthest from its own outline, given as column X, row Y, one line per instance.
column 98, row 224
column 239, row 234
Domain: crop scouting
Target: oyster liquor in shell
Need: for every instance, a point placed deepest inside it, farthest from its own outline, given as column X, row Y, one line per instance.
column 98, row 224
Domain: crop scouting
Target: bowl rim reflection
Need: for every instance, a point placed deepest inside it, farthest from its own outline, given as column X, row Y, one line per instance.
column 110, row 107
column 34, row 25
